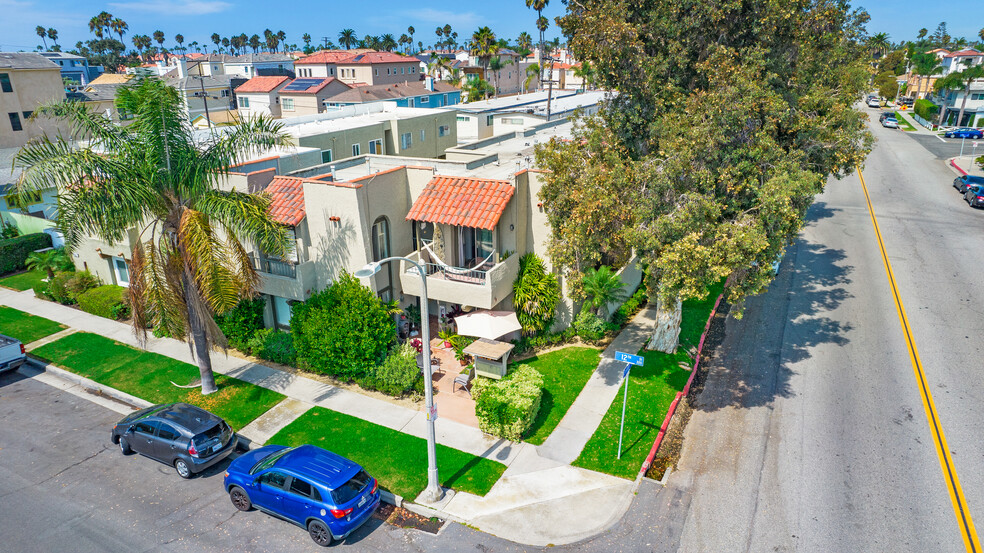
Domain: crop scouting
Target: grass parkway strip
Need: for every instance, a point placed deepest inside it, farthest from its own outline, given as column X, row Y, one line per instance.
column 148, row 376
column 652, row 388
column 23, row 281
column 26, row 327
column 397, row 460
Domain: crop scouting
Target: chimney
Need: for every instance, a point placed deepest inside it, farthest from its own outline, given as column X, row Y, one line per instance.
column 182, row 68
column 429, row 83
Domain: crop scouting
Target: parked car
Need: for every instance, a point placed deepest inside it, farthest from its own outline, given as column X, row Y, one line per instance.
column 890, row 122
column 874, row 103
column 320, row 491
column 965, row 132
column 962, row 183
column 885, row 115
column 975, row 195
column 186, row 437
column 12, row 353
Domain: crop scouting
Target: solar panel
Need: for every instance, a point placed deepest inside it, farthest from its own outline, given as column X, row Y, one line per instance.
column 302, row 84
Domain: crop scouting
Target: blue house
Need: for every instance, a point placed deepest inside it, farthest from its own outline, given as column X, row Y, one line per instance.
column 413, row 94
column 75, row 68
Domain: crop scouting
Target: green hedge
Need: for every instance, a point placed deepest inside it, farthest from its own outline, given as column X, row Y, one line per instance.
column 14, row 251
column 507, row 408
column 107, row 301
column 397, row 375
column 240, row 323
column 273, row 345
column 926, row 109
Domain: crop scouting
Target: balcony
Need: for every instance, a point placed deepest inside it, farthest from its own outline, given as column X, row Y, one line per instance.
column 479, row 288
column 284, row 278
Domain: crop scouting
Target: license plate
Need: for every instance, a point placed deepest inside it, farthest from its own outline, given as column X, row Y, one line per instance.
column 362, row 501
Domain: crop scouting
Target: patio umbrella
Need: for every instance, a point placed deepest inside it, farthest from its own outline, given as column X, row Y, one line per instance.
column 487, row 324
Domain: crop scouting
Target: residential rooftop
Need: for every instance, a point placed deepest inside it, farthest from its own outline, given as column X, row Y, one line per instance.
column 393, row 91
column 351, row 117
column 25, row 60
column 562, row 100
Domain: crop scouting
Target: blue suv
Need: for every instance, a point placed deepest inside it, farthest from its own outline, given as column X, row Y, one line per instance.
column 316, row 489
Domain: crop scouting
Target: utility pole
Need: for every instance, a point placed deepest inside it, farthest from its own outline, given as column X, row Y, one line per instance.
column 324, row 38
column 550, row 83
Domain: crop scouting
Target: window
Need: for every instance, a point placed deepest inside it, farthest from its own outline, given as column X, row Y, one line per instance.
column 376, row 70
column 405, row 140
column 27, row 114
column 167, row 432
column 302, row 488
column 376, row 146
column 288, row 104
column 281, row 312
column 5, row 83
column 511, row 121
column 146, row 428
column 380, row 239
column 122, row 271
column 14, row 201
column 387, row 70
column 332, row 70
column 348, row 491
column 463, row 118
column 274, row 479
column 244, row 102
column 356, row 150
column 413, row 70
column 424, row 100
column 488, row 120
column 422, row 136
column 325, row 156
column 403, row 70
column 224, row 93
column 15, row 122
column 443, row 130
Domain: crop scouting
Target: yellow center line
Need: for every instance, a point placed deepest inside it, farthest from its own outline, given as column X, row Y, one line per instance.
column 964, row 519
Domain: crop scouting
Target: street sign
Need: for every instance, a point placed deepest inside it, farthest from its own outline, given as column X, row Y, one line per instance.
column 625, row 371
column 628, row 358
column 432, row 415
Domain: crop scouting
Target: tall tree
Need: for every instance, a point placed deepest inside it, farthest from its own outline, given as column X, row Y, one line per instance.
column 217, row 40
column 541, row 22
column 179, row 38
column 53, row 35
column 254, row 43
column 307, row 40
column 981, row 34
column 439, row 32
column 960, row 80
column 922, row 33
column 387, row 42
column 282, row 39
column 525, row 42
column 347, row 37
column 941, row 38
column 43, row 33
column 411, row 31
column 483, row 46
column 96, row 27
column 925, row 65
column 119, row 27
column 153, row 175
column 705, row 162
column 532, row 74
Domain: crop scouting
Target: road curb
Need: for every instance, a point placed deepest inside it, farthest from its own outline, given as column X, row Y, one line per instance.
column 68, row 376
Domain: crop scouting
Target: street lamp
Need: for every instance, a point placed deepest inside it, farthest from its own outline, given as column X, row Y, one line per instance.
column 434, row 492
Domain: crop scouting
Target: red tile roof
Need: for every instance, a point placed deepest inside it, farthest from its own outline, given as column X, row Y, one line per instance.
column 261, row 84
column 325, row 57
column 963, row 53
column 287, row 200
column 378, row 57
column 461, row 201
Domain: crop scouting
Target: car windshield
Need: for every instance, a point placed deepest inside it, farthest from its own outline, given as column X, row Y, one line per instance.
column 145, row 412
column 349, row 490
column 974, row 180
column 269, row 460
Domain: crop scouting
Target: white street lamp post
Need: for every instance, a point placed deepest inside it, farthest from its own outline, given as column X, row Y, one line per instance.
column 434, row 492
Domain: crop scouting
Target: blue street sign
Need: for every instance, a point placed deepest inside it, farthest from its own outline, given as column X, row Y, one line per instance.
column 628, row 358
column 625, row 371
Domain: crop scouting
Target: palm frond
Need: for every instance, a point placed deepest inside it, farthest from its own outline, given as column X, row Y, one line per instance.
column 248, row 216
column 85, row 123
column 205, row 257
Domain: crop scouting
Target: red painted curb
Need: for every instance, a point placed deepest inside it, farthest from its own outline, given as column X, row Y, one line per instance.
column 686, row 390
column 957, row 167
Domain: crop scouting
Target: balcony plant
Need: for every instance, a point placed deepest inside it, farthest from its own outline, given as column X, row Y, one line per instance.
column 447, row 336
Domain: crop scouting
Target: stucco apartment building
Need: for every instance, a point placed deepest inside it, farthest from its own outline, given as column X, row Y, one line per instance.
column 306, row 96
column 27, row 80
column 260, row 96
column 359, row 67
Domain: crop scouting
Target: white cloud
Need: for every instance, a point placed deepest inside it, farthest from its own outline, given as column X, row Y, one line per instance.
column 180, row 8
column 444, row 17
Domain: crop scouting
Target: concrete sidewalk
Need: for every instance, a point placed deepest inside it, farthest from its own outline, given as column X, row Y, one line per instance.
column 538, row 501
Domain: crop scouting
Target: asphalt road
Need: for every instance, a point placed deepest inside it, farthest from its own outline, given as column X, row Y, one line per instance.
column 65, row 487
column 811, row 434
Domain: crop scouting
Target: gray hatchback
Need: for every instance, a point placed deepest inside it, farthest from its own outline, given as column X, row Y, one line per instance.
column 186, row 437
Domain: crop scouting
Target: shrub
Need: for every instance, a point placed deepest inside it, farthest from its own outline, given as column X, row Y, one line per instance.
column 343, row 330
column 105, row 301
column 398, row 373
column 588, row 325
column 41, row 291
column 507, row 408
column 14, row 251
column 273, row 345
column 630, row 307
column 81, row 283
column 926, row 109
column 58, row 289
column 241, row 323
column 536, row 293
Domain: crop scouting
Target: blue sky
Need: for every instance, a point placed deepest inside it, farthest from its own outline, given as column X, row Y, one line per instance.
column 197, row 19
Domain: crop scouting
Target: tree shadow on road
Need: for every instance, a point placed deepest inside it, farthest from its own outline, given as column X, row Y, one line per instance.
column 780, row 328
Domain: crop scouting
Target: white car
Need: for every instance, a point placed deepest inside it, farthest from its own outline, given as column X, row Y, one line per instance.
column 890, row 122
column 874, row 103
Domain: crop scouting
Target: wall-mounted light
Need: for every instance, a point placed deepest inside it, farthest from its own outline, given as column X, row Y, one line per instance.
column 334, row 219
column 511, row 227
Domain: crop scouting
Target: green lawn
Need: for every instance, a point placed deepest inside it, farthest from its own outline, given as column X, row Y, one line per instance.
column 903, row 123
column 652, row 388
column 397, row 460
column 26, row 327
column 23, row 281
column 147, row 375
column 565, row 372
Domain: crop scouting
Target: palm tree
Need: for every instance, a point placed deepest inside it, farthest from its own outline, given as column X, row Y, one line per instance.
column 347, row 38
column 439, row 32
column 411, row 31
column 922, row 33
column 48, row 261
column 532, row 72
column 95, row 26
column 603, row 287
column 585, row 72
column 477, row 88
column 307, row 40
column 925, row 65
column 387, row 42
column 496, row 65
column 225, row 44
column 119, row 27
column 454, row 78
column 524, row 42
column 282, row 39
column 255, row 43
column 153, row 175
column 216, row 39
column 43, row 33
column 484, row 46
column 53, row 35
column 981, row 34
column 405, row 42
column 957, row 81
column 539, row 6
column 179, row 38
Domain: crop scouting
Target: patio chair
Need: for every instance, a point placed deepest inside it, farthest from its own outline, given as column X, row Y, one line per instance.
column 435, row 364
column 464, row 380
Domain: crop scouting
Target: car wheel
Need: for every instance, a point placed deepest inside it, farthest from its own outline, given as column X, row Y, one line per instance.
column 181, row 466
column 124, row 446
column 240, row 499
column 319, row 533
